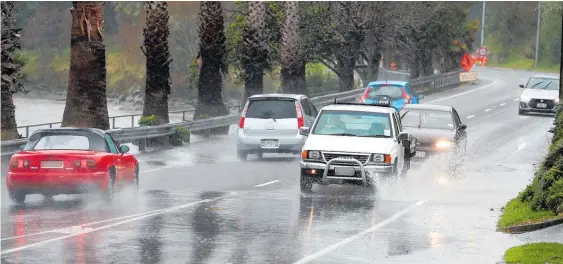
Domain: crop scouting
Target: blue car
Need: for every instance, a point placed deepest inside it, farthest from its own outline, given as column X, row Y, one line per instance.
column 399, row 92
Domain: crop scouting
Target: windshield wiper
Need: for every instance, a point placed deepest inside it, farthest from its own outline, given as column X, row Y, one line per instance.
column 546, row 85
column 342, row 134
column 536, row 84
column 267, row 115
column 375, row 136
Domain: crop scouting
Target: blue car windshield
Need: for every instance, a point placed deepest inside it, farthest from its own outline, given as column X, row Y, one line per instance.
column 393, row 91
column 353, row 124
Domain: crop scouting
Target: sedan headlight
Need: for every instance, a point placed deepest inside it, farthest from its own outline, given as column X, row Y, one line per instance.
column 556, row 100
column 524, row 99
column 443, row 144
column 311, row 154
column 381, row 158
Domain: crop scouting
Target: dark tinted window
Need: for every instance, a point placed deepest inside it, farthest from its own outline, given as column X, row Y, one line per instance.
column 431, row 119
column 267, row 108
column 78, row 140
column 306, row 108
column 394, row 92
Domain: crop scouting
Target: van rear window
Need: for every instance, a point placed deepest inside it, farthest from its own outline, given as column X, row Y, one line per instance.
column 266, row 108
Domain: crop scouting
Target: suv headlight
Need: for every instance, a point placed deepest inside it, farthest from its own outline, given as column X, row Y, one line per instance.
column 524, row 99
column 380, row 158
column 311, row 154
column 556, row 100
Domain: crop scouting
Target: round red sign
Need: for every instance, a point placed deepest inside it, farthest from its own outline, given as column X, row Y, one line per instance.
column 482, row 51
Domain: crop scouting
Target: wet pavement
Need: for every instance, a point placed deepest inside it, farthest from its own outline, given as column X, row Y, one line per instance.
column 199, row 204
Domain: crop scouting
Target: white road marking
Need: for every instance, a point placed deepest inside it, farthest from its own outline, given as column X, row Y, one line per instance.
column 503, row 104
column 460, row 94
column 488, row 109
column 345, row 241
column 471, row 116
column 516, row 99
column 267, row 183
column 90, row 230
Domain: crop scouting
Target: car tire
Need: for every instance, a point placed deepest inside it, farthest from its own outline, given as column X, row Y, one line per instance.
column 136, row 179
column 521, row 112
column 306, row 184
column 260, row 155
column 18, row 197
column 242, row 155
column 109, row 191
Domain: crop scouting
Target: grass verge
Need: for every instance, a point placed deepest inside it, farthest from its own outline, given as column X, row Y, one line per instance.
column 533, row 253
column 517, row 212
column 525, row 64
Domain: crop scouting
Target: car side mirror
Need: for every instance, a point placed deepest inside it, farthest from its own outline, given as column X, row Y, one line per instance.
column 420, row 96
column 462, row 126
column 22, row 147
column 521, row 85
column 403, row 136
column 304, row 131
column 124, row 149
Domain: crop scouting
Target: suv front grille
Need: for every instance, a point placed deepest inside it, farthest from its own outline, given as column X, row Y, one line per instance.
column 534, row 103
column 363, row 158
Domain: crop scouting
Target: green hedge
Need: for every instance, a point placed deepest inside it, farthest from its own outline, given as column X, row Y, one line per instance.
column 546, row 191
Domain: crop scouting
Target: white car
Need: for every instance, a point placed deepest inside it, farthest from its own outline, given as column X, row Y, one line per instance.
column 541, row 94
column 354, row 143
column 270, row 123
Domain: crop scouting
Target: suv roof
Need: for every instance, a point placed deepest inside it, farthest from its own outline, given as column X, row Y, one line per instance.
column 292, row 96
column 360, row 107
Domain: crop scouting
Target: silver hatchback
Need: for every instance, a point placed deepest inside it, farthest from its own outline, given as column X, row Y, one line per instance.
column 270, row 123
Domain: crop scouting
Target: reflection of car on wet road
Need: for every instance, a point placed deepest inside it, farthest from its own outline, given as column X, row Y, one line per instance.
column 399, row 92
column 70, row 161
column 351, row 143
column 540, row 94
column 438, row 129
column 270, row 123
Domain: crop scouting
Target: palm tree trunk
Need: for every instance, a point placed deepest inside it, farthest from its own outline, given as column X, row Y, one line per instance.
column 255, row 49
column 9, row 126
column 86, row 101
column 157, row 85
column 291, row 59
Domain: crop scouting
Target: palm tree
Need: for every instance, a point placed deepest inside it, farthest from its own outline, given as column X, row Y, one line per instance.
column 11, row 72
column 292, row 60
column 86, row 101
column 157, row 85
column 213, row 54
column 255, row 49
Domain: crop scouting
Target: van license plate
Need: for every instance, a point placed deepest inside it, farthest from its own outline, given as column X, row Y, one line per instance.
column 270, row 143
column 344, row 171
column 420, row 154
column 541, row 105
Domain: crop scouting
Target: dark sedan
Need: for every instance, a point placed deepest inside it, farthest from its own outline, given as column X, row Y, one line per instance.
column 438, row 130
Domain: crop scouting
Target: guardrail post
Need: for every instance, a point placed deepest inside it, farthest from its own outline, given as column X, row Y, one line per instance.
column 113, row 122
column 208, row 132
column 26, row 131
column 142, row 144
column 133, row 121
column 183, row 116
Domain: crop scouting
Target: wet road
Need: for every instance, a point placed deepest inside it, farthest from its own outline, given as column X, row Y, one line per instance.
column 199, row 204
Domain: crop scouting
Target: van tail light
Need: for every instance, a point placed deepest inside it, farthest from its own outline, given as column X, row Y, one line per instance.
column 19, row 163
column 85, row 164
column 364, row 96
column 300, row 118
column 406, row 97
column 242, row 115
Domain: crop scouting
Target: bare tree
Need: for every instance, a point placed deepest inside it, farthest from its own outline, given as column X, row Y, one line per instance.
column 155, row 48
column 86, row 101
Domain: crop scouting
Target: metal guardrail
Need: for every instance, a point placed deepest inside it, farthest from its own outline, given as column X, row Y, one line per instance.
column 422, row 85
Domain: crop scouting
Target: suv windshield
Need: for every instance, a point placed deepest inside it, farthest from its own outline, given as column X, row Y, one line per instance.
column 353, row 123
column 543, row 84
column 276, row 108
column 431, row 119
column 394, row 92
column 66, row 141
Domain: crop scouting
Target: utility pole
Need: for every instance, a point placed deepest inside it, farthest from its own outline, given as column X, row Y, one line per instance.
column 538, row 35
column 483, row 25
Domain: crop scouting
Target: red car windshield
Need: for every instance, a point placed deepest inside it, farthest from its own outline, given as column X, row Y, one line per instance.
column 66, row 141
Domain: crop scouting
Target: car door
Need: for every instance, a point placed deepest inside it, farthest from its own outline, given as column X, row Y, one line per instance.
column 399, row 145
column 116, row 158
column 128, row 162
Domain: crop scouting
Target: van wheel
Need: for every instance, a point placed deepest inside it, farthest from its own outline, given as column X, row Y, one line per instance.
column 242, row 155
column 18, row 197
column 260, row 155
column 306, row 184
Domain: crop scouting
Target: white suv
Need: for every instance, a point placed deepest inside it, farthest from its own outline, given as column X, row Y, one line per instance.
column 353, row 143
column 270, row 123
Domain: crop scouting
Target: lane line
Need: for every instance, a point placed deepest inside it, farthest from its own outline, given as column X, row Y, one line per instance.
column 267, row 183
column 347, row 240
column 488, row 109
column 471, row 116
column 503, row 104
column 515, row 100
column 460, row 94
column 86, row 231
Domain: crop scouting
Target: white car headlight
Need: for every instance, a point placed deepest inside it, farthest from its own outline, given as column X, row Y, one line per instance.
column 313, row 155
column 524, row 99
column 444, row 144
column 380, row 158
column 556, row 100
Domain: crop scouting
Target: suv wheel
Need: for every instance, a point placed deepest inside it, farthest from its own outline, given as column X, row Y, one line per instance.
column 306, row 184
column 521, row 112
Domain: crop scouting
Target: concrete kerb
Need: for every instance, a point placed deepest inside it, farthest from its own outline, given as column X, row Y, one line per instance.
column 518, row 229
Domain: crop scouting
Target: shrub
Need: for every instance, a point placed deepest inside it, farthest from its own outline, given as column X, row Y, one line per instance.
column 180, row 136
column 148, row 121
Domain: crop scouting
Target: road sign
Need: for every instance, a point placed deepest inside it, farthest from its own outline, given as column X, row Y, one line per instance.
column 482, row 51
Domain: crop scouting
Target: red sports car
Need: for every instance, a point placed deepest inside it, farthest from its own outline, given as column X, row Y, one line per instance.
column 70, row 161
